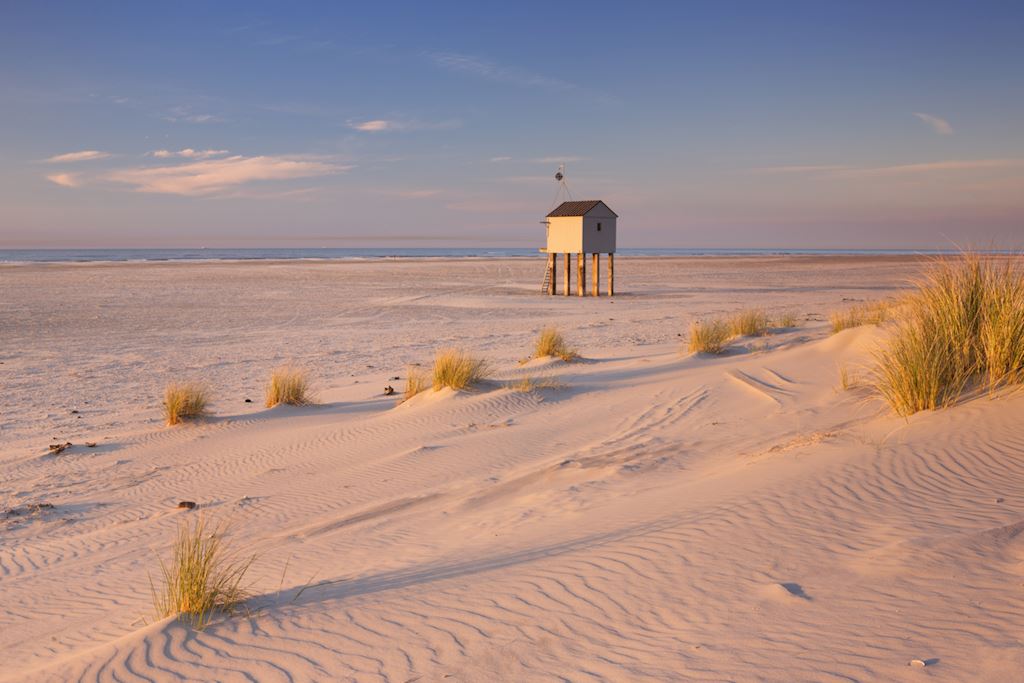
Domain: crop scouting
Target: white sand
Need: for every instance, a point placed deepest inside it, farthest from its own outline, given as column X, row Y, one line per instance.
column 663, row 517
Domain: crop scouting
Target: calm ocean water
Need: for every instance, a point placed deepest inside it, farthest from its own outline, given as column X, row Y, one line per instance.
column 90, row 255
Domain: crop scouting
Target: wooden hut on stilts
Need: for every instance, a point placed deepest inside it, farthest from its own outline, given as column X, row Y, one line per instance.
column 581, row 228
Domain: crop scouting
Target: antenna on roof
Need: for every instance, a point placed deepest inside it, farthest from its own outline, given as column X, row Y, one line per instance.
column 563, row 187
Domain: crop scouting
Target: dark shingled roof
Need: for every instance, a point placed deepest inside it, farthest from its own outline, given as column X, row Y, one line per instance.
column 577, row 208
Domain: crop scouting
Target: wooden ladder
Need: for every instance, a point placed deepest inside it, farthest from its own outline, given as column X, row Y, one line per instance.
column 548, row 274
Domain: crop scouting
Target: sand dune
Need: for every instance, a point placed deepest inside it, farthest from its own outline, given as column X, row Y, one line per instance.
column 660, row 517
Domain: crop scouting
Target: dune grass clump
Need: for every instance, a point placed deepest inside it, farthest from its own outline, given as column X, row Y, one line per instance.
column 963, row 325
column 203, row 577
column 528, row 384
column 751, row 322
column 709, row 336
column 185, row 401
column 552, row 343
column 457, row 369
column 288, row 385
column 788, row 319
column 873, row 313
column 416, row 380
column 1001, row 334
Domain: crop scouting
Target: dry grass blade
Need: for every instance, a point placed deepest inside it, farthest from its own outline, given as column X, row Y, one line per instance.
column 788, row 319
column 203, row 577
column 288, row 385
column 416, row 380
column 709, row 336
column 874, row 313
column 750, row 323
column 1001, row 334
column 551, row 343
column 185, row 401
column 456, row 369
column 530, row 384
column 964, row 323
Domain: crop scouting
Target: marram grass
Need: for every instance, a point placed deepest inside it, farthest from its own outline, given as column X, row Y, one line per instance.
column 751, row 322
column 963, row 326
column 529, row 384
column 203, row 577
column 458, row 370
column 872, row 313
column 788, row 319
column 552, row 343
column 288, row 385
column 416, row 380
column 184, row 401
column 709, row 336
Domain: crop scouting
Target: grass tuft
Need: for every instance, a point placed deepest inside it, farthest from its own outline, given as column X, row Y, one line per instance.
column 788, row 319
column 203, row 577
column 527, row 385
column 873, row 313
column 965, row 323
column 416, row 380
column 288, row 385
column 847, row 378
column 551, row 343
column 751, row 322
column 456, row 369
column 709, row 336
column 184, row 401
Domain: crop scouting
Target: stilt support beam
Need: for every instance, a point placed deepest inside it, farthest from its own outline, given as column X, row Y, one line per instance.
column 581, row 274
column 597, row 274
column 568, row 273
column 552, row 267
column 611, row 274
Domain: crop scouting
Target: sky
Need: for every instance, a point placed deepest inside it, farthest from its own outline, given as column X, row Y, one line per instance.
column 819, row 124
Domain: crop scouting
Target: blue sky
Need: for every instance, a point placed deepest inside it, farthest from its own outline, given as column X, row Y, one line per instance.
column 719, row 124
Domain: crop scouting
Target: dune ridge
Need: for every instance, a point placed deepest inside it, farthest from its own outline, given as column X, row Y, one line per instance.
column 660, row 517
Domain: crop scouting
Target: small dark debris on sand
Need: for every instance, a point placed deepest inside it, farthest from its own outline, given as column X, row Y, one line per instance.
column 28, row 509
column 187, row 505
column 74, row 412
column 395, row 378
column 56, row 448
column 248, row 400
column 389, row 390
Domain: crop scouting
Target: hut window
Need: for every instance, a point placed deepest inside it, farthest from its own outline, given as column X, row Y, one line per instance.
column 599, row 227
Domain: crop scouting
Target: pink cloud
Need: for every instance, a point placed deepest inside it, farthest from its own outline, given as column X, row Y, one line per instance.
column 212, row 176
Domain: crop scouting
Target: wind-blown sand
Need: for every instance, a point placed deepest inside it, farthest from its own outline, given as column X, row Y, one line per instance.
column 661, row 517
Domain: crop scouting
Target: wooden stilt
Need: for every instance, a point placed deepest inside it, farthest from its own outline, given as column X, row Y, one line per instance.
column 611, row 274
column 597, row 274
column 552, row 262
column 581, row 274
column 568, row 273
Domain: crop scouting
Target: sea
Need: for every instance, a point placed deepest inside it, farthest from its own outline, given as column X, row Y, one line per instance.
column 13, row 256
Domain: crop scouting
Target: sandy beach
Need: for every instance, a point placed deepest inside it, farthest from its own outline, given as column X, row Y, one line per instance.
column 658, row 516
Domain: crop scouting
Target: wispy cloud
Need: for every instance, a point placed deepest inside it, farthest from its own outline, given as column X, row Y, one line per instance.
column 187, row 115
column 498, row 160
column 557, row 160
column 411, row 194
column 938, row 125
column 799, row 169
column 84, row 155
column 375, row 125
column 213, row 176
column 482, row 68
column 391, row 125
column 64, row 179
column 847, row 171
column 188, row 153
column 936, row 166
